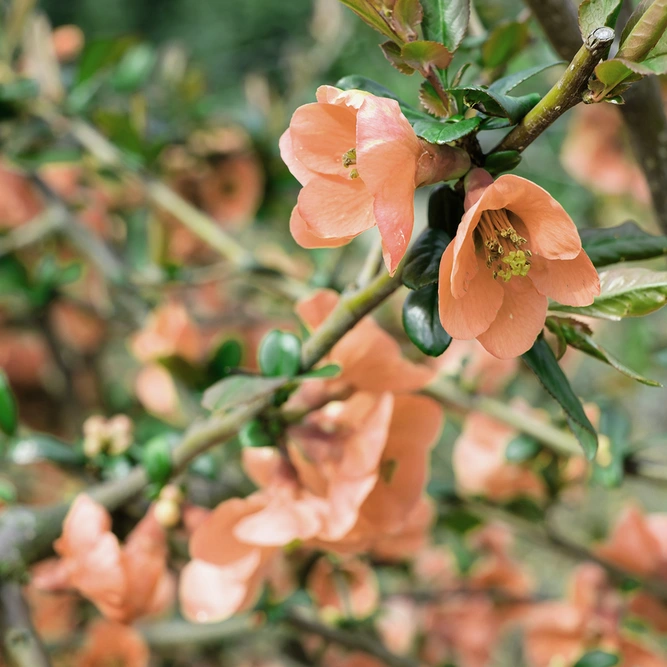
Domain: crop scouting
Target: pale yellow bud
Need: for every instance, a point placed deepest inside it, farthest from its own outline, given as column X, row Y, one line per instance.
column 167, row 513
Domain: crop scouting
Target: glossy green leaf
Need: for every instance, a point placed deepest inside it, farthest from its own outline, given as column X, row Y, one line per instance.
column 626, row 243
column 356, row 82
column 446, row 21
column 8, row 409
column 597, row 659
column 436, row 132
column 578, row 335
column 508, row 83
column 505, row 41
column 522, row 448
column 134, row 68
column 156, row 459
column 421, row 321
column 624, row 292
column 445, row 210
column 422, row 265
column 541, row 360
column 227, row 356
column 495, row 104
column 237, row 390
column 253, row 434
column 44, row 447
column 502, row 161
column 595, row 14
column 279, row 354
column 370, row 15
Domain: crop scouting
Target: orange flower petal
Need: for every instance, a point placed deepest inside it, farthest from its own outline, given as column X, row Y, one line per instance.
column 305, row 237
column 573, row 282
column 299, row 170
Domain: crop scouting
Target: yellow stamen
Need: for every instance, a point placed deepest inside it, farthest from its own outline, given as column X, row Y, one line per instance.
column 350, row 158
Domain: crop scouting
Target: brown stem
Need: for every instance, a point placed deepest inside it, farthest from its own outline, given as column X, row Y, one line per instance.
column 20, row 643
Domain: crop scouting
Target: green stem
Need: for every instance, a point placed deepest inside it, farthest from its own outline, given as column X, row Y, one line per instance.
column 566, row 94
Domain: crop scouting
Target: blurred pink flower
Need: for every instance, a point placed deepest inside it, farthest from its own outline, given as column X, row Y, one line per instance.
column 116, row 644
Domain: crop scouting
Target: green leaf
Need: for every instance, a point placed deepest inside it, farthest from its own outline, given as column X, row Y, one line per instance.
column 370, row 15
column 356, row 82
column 508, row 83
column 279, row 354
column 423, row 54
column 541, row 360
column 597, row 659
column 392, row 52
column 432, row 102
column 436, row 132
column 646, row 31
column 227, row 356
column 237, row 390
column 422, row 265
column 615, row 427
column 19, row 90
column 44, row 447
column 626, row 243
column 8, row 409
column 421, row 321
column 253, row 434
column 445, row 210
column 577, row 335
column 99, row 54
column 504, row 42
column 134, row 68
column 13, row 276
column 502, row 161
column 328, row 371
column 408, row 14
column 156, row 459
column 624, row 292
column 522, row 448
column 595, row 14
column 495, row 104
column 446, row 21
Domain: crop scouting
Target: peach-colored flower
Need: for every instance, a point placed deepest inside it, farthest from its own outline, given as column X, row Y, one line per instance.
column 476, row 368
column 589, row 619
column 68, row 41
column 19, row 201
column 398, row 624
column 348, row 589
column 77, row 328
column 369, row 357
column 168, row 332
column 157, row 391
column 359, row 161
column 596, row 154
column 24, row 357
column 225, row 574
column 480, row 463
column 113, row 644
column 125, row 583
column 515, row 247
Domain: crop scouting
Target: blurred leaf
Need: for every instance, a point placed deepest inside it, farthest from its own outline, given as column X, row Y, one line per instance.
column 13, row 276
column 595, row 14
column 508, row 83
column 392, row 52
column 328, row 371
column 625, row 243
column 134, row 68
column 615, row 429
column 370, row 15
column 436, row 132
column 597, row 659
column 497, row 163
column 231, row 392
column 541, row 360
column 421, row 321
column 227, row 356
column 279, row 354
column 19, row 90
column 522, row 448
column 446, row 21
column 422, row 265
column 156, row 459
column 99, row 54
column 445, row 209
column 7, row 492
column 496, row 104
column 253, row 434
column 423, row 54
column 356, row 82
column 44, row 447
column 505, row 41
column 624, row 292
column 8, row 409
column 578, row 335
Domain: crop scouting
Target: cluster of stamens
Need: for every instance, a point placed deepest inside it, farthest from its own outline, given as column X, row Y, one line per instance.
column 350, row 159
column 503, row 244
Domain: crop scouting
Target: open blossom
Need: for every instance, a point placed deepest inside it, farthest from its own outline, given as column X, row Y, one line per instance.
column 480, row 463
column 124, row 582
column 360, row 161
column 515, row 247
column 561, row 632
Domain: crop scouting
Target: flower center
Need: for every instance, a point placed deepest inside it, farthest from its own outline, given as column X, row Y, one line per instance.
column 349, row 159
column 502, row 246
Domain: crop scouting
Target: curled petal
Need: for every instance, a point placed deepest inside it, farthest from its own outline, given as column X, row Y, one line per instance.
column 305, row 237
column 573, row 282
